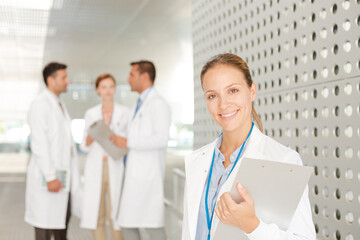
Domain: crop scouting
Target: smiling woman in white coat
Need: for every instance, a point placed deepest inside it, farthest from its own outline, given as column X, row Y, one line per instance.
column 102, row 174
column 229, row 94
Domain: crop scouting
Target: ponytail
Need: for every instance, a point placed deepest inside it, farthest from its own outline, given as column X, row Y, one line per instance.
column 256, row 117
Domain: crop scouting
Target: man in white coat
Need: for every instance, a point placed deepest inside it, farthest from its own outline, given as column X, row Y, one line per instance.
column 141, row 204
column 53, row 168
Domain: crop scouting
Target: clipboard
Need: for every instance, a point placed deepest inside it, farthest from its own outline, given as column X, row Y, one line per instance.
column 276, row 189
column 101, row 132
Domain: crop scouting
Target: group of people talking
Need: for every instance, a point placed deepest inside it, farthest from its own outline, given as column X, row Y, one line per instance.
column 129, row 192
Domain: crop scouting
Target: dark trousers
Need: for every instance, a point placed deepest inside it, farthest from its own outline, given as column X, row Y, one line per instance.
column 59, row 234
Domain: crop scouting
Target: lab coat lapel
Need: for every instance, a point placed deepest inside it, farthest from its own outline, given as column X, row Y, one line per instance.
column 134, row 120
column 143, row 106
column 62, row 118
column 251, row 151
column 197, row 169
column 66, row 113
column 254, row 148
column 55, row 105
column 67, row 122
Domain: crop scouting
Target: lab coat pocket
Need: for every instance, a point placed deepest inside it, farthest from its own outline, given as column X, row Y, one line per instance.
column 38, row 180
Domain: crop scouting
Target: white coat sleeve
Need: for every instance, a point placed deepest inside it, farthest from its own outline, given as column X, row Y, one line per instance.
column 160, row 122
column 301, row 226
column 38, row 119
column 82, row 145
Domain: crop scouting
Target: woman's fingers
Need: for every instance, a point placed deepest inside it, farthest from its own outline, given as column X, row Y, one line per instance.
column 244, row 193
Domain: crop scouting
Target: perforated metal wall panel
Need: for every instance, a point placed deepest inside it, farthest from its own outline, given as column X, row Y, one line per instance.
column 305, row 58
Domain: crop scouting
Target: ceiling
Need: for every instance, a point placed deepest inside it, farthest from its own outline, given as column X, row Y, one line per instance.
column 91, row 37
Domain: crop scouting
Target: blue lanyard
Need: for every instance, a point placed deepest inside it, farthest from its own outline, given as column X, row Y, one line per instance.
column 208, row 219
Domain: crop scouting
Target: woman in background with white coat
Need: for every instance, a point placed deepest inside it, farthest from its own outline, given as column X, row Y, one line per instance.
column 229, row 95
column 103, row 175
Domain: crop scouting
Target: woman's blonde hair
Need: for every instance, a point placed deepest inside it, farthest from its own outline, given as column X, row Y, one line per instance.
column 235, row 61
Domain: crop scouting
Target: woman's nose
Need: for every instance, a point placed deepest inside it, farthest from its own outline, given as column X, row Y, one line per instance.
column 223, row 102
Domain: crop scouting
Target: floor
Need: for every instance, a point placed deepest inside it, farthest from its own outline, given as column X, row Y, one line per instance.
column 12, row 195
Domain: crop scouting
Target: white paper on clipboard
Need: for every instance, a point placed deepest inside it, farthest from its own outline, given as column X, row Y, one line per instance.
column 276, row 189
column 101, row 132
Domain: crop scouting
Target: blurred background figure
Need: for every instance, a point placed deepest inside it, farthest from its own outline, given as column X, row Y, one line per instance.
column 53, row 174
column 142, row 199
column 103, row 175
column 92, row 37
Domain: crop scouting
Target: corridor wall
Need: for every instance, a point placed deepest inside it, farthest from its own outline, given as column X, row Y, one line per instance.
column 305, row 59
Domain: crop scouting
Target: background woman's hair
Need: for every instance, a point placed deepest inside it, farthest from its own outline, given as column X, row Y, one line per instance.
column 233, row 60
column 102, row 77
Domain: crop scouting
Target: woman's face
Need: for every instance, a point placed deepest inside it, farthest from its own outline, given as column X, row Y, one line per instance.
column 228, row 97
column 106, row 89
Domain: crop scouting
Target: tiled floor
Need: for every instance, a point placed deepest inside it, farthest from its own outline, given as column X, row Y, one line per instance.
column 12, row 195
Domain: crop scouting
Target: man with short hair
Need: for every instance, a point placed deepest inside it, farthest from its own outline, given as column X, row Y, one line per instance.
column 53, row 171
column 142, row 201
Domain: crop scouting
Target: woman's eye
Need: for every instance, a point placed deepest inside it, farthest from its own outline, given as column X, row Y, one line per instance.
column 233, row 91
column 211, row 96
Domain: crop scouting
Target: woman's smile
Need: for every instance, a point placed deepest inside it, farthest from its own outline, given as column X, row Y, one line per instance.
column 229, row 116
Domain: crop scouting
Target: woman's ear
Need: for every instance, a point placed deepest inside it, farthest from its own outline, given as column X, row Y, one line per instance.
column 253, row 90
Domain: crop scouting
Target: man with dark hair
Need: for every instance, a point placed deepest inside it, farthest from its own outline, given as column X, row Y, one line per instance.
column 146, row 67
column 53, row 173
column 141, row 204
column 51, row 69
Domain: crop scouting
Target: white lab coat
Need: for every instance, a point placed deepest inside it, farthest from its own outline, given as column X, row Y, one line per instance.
column 142, row 200
column 94, row 164
column 52, row 148
column 260, row 146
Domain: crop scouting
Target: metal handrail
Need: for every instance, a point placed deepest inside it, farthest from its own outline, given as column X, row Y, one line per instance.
column 173, row 205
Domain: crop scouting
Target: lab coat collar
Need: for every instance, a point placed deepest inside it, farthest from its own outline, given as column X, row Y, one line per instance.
column 50, row 93
column 55, row 100
column 145, row 93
